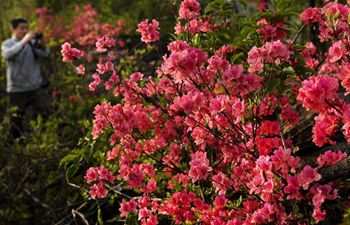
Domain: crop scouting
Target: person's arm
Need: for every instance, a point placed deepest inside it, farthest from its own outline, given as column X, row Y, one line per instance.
column 42, row 52
column 10, row 50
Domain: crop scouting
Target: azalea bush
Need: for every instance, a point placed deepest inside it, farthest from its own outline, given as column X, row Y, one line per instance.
column 206, row 138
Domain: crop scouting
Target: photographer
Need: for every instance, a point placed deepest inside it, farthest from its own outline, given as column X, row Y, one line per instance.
column 23, row 76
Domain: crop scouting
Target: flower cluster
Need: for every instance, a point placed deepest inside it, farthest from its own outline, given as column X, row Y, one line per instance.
column 69, row 54
column 270, row 31
column 311, row 15
column 318, row 93
column 103, row 43
column 321, row 93
column 98, row 175
column 183, row 62
column 309, row 55
column 149, row 31
column 199, row 166
column 329, row 158
column 190, row 12
column 189, row 9
column 271, row 52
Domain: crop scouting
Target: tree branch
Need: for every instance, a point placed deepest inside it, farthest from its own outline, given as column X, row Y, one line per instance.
column 340, row 170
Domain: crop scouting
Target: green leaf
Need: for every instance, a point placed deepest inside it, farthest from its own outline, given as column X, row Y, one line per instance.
column 289, row 70
column 71, row 171
column 239, row 201
column 68, row 159
column 99, row 216
column 243, row 2
column 237, row 57
column 273, row 84
column 295, row 208
column 214, row 6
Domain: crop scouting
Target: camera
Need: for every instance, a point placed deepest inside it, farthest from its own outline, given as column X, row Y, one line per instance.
column 38, row 35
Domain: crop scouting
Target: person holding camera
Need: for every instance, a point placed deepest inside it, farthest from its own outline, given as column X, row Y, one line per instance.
column 23, row 75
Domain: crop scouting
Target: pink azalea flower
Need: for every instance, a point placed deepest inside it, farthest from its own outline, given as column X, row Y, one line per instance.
column 319, row 215
column 221, row 182
column 91, row 174
column 150, row 187
column 271, row 52
column 127, row 207
column 98, row 191
column 325, row 127
column 69, row 54
column 316, row 91
column 292, row 188
column 220, row 201
column 344, row 77
column 189, row 9
column 144, row 213
column 311, row 15
column 336, row 52
column 193, row 26
column 152, row 220
column 264, row 214
column 80, row 69
column 106, row 175
column 329, row 158
column 104, row 42
column 307, row 176
column 199, row 166
column 263, row 162
column 346, row 121
column 149, row 31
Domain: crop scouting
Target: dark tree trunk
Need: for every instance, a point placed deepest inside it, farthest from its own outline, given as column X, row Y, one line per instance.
column 338, row 171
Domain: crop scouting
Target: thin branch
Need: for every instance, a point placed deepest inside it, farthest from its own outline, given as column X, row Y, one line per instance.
column 76, row 212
